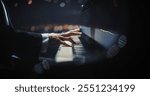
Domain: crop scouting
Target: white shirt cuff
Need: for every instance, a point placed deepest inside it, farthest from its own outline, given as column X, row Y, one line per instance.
column 45, row 39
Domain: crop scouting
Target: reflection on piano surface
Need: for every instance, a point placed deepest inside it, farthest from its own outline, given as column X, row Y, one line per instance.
column 93, row 45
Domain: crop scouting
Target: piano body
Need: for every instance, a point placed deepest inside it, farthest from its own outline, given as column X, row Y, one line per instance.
column 91, row 46
column 104, row 29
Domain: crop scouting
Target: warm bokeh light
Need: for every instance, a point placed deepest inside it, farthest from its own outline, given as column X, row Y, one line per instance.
column 29, row 2
column 53, row 27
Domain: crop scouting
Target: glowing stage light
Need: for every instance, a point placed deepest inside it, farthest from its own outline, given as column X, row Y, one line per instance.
column 16, row 4
column 62, row 4
column 29, row 2
column 82, row 6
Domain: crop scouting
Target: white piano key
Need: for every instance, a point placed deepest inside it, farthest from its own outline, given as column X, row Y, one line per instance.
column 64, row 54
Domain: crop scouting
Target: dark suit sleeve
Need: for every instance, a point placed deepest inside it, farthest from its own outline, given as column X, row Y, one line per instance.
column 26, row 45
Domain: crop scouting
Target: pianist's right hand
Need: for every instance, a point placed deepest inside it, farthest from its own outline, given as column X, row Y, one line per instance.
column 66, row 36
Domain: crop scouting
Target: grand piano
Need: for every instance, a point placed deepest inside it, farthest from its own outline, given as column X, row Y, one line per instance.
column 103, row 24
column 93, row 45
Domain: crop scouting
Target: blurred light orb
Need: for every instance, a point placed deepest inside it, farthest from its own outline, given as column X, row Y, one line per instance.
column 82, row 6
column 29, row 2
column 62, row 4
column 16, row 4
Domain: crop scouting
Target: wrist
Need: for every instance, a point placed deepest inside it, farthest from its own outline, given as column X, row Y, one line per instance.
column 50, row 35
column 54, row 35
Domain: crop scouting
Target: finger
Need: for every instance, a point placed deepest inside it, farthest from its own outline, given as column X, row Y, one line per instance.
column 67, row 39
column 72, row 33
column 76, row 33
column 71, row 40
column 78, row 29
column 75, row 30
column 65, row 44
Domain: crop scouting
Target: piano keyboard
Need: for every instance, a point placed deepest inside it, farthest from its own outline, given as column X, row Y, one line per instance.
column 69, row 54
column 64, row 54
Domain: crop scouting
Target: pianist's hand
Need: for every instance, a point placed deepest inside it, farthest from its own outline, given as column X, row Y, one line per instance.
column 72, row 32
column 66, row 36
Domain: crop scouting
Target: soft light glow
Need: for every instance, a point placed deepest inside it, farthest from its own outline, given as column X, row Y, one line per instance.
column 16, row 4
column 62, row 4
column 53, row 27
column 29, row 2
